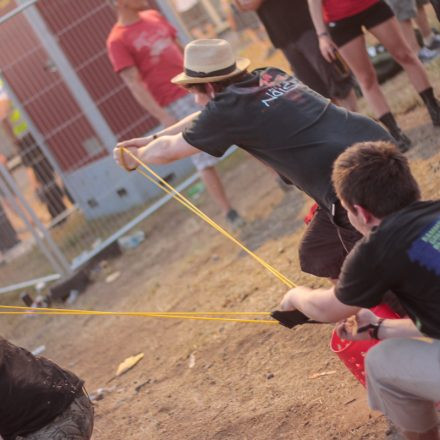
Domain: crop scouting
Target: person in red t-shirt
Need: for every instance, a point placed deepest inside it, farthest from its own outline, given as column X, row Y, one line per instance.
column 144, row 51
column 339, row 25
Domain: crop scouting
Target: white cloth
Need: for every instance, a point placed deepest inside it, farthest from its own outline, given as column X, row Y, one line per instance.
column 184, row 5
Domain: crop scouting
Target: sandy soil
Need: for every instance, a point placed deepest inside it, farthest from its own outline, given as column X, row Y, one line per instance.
column 211, row 380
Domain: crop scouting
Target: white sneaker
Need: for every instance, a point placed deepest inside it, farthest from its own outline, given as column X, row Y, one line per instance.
column 426, row 54
column 435, row 44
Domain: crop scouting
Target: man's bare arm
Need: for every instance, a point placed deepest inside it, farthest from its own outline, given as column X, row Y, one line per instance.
column 388, row 328
column 326, row 44
column 133, row 80
column 315, row 8
column 319, row 304
column 177, row 128
column 163, row 150
column 167, row 149
column 398, row 328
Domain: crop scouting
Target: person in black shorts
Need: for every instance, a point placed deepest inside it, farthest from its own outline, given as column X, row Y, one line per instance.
column 275, row 118
column 40, row 400
column 291, row 30
column 400, row 251
column 339, row 25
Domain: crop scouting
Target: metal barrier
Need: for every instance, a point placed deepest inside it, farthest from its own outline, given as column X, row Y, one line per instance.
column 64, row 109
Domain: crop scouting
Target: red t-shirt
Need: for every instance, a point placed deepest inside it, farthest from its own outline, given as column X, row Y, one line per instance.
column 150, row 45
column 338, row 9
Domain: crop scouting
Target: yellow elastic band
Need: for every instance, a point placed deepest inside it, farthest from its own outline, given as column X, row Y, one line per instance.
column 123, row 162
column 167, row 315
column 50, row 309
column 165, row 186
column 161, row 183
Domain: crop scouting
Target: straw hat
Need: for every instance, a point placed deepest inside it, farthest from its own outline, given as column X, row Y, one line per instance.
column 209, row 61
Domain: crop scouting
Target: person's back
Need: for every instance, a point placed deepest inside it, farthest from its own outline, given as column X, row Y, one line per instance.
column 275, row 118
column 34, row 392
column 406, row 256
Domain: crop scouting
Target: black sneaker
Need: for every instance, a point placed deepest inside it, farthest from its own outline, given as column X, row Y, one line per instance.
column 434, row 112
column 403, row 142
column 234, row 219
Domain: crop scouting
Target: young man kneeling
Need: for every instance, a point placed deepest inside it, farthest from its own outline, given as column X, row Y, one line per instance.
column 400, row 251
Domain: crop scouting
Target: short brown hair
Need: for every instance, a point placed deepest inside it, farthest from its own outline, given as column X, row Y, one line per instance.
column 376, row 176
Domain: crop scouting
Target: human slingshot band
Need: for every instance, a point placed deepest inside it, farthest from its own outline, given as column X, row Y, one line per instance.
column 288, row 319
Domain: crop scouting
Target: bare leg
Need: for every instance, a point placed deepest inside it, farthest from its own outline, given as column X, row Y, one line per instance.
column 389, row 34
column 422, row 23
column 356, row 56
column 215, row 188
column 409, row 34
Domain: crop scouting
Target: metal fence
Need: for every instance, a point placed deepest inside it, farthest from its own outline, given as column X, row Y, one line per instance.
column 62, row 109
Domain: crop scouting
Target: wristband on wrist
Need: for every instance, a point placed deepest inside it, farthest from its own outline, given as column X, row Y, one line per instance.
column 322, row 34
column 374, row 329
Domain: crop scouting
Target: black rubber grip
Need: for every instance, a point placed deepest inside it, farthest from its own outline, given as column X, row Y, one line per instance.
column 292, row 318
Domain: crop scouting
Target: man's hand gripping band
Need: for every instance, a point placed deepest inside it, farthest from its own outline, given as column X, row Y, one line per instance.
column 123, row 162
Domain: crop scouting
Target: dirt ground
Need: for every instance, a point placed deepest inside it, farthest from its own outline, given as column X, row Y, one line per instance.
column 215, row 380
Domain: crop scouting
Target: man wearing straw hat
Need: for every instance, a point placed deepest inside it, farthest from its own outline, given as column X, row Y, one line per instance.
column 278, row 120
column 400, row 251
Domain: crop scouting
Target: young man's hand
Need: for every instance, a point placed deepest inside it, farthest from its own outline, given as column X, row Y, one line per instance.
column 363, row 318
column 136, row 142
column 124, row 160
column 328, row 48
column 286, row 303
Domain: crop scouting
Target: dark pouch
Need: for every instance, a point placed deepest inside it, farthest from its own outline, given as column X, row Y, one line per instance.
column 292, row 318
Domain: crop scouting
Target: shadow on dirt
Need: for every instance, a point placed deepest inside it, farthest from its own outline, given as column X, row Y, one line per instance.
column 282, row 220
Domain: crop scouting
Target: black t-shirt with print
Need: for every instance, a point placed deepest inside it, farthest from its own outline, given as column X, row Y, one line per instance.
column 284, row 21
column 33, row 391
column 403, row 255
column 282, row 122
